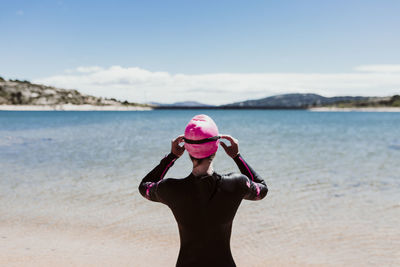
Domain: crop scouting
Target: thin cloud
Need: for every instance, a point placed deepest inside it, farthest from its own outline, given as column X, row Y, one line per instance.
column 84, row 69
column 140, row 85
column 89, row 69
column 387, row 68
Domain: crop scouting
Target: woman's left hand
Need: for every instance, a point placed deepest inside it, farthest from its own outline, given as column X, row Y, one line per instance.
column 176, row 149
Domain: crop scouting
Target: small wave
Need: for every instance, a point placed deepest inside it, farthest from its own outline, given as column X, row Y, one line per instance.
column 15, row 140
column 10, row 140
column 394, row 146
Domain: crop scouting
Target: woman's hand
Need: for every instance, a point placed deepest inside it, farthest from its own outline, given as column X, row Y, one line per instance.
column 233, row 149
column 176, row 149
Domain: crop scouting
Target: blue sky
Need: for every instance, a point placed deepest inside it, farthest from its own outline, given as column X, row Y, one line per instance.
column 48, row 41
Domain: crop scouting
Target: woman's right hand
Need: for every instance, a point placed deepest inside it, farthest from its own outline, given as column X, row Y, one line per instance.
column 233, row 149
column 176, row 149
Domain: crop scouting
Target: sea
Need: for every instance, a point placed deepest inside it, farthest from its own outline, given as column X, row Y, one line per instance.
column 333, row 179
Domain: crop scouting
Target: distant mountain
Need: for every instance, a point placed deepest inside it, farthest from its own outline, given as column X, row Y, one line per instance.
column 15, row 92
column 294, row 101
column 181, row 104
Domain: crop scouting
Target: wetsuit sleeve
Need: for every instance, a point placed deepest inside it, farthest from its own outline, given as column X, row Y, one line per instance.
column 253, row 185
column 148, row 186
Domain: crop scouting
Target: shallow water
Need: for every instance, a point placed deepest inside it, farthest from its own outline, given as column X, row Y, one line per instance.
column 333, row 178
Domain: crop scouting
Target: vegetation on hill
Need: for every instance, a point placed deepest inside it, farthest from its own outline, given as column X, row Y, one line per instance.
column 393, row 101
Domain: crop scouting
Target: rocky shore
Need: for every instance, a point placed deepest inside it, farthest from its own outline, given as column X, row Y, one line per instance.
column 70, row 107
column 23, row 95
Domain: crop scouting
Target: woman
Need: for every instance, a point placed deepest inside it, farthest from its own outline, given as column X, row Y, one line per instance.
column 205, row 202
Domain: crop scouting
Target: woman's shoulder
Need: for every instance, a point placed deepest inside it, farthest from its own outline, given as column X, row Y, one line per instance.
column 173, row 181
column 233, row 176
column 233, row 180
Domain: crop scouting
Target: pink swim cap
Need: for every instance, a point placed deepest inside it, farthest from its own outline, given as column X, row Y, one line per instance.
column 201, row 137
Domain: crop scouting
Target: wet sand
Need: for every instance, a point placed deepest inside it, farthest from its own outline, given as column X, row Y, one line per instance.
column 44, row 245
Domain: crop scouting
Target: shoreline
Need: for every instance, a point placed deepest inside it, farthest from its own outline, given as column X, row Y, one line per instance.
column 71, row 107
column 367, row 109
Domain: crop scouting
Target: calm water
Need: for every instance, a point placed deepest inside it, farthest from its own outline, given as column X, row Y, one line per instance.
column 334, row 179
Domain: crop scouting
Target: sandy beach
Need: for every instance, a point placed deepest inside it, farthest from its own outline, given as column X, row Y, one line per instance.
column 70, row 107
column 153, row 240
column 42, row 245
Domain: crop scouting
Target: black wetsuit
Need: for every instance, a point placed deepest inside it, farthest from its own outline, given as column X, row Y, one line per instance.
column 204, row 208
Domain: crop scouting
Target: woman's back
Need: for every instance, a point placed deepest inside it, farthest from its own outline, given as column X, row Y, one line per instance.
column 204, row 208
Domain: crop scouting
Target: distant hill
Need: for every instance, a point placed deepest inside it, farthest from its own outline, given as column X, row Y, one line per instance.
column 294, row 101
column 15, row 92
column 181, row 104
